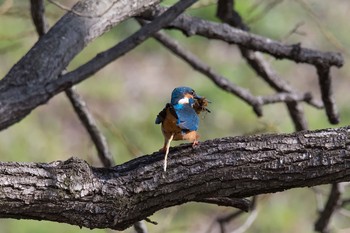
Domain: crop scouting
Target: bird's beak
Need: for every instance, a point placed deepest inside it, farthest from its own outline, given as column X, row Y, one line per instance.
column 197, row 96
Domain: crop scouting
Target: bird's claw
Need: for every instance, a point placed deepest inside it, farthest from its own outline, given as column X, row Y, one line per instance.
column 195, row 144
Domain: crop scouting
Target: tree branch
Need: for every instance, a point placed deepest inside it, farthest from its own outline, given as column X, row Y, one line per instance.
column 332, row 204
column 37, row 10
column 203, row 68
column 211, row 30
column 325, row 81
column 89, row 123
column 322, row 60
column 255, row 101
column 104, row 58
column 235, row 167
column 44, row 89
column 33, row 80
column 79, row 105
column 23, row 88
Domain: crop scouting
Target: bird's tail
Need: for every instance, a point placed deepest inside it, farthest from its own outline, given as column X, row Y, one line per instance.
column 167, row 151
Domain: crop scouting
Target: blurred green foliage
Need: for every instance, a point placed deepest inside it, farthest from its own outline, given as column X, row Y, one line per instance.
column 127, row 95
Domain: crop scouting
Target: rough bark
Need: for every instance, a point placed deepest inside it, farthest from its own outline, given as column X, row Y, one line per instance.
column 19, row 89
column 234, row 167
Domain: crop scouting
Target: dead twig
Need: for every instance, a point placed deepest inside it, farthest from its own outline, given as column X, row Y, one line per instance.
column 332, row 204
column 211, row 30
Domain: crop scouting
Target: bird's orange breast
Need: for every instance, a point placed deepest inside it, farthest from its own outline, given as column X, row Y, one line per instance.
column 169, row 127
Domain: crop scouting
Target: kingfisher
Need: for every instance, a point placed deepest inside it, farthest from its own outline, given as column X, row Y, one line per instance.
column 179, row 119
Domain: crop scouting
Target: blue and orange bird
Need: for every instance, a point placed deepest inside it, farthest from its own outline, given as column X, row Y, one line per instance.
column 179, row 119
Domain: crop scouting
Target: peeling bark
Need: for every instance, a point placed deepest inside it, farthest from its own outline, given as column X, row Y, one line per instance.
column 73, row 192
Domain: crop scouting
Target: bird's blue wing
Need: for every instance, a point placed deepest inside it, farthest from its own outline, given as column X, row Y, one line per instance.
column 187, row 118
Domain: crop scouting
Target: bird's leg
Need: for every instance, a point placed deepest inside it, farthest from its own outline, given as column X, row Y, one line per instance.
column 195, row 141
column 167, row 146
column 163, row 149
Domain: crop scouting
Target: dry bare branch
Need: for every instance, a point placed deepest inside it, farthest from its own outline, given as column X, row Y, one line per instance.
column 332, row 204
column 211, row 30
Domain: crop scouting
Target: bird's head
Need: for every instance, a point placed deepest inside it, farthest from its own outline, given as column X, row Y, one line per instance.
column 183, row 95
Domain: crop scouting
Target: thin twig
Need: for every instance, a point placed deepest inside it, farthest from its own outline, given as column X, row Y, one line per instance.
column 89, row 122
column 332, row 204
column 87, row 119
column 239, row 203
column 150, row 221
column 325, row 81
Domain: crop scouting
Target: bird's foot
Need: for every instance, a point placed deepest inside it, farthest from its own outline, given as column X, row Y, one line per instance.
column 195, row 144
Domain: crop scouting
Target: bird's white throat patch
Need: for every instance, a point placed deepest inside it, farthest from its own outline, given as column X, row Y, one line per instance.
column 184, row 100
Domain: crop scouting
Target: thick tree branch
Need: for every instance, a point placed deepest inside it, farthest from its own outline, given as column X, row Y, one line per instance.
column 195, row 26
column 104, row 58
column 79, row 105
column 33, row 80
column 44, row 89
column 22, row 89
column 236, row 167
